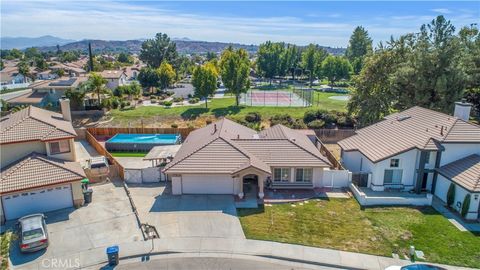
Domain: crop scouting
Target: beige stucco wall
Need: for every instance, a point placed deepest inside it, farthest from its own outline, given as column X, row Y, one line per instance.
column 77, row 194
column 15, row 151
column 70, row 156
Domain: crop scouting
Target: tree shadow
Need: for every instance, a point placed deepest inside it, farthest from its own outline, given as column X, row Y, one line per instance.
column 243, row 212
column 193, row 113
column 218, row 112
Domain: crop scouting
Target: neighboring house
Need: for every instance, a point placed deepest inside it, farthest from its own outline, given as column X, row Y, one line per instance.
column 46, row 75
column 38, row 99
column 39, row 172
column 114, row 78
column 132, row 72
column 408, row 150
column 10, row 75
column 55, row 89
column 224, row 156
column 70, row 69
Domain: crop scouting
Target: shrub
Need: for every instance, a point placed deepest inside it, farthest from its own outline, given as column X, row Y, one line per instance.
column 170, row 93
column 253, row 117
column 193, row 100
column 208, row 121
column 465, row 205
column 189, row 96
column 309, row 116
column 152, row 97
column 287, row 121
column 316, row 124
column 115, row 103
column 174, row 125
column 451, row 195
column 167, row 103
column 178, row 99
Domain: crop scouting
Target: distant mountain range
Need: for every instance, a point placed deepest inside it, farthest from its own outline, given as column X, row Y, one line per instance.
column 8, row 43
column 184, row 45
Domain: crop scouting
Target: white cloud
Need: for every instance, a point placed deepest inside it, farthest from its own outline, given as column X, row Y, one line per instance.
column 442, row 10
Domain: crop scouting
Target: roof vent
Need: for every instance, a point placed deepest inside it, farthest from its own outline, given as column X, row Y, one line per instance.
column 404, row 117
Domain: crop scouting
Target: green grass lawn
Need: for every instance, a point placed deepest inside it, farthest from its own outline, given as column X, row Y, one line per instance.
column 128, row 154
column 341, row 224
column 221, row 107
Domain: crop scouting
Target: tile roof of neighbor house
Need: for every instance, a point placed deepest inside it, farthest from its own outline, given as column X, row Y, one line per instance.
column 34, row 124
column 112, row 74
column 465, row 172
column 37, row 170
column 416, row 127
column 32, row 98
column 228, row 147
column 62, row 83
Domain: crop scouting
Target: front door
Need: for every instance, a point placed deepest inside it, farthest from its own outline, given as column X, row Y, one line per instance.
column 250, row 184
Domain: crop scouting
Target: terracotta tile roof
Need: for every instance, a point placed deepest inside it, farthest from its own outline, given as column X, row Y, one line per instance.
column 29, row 98
column 465, row 172
column 38, row 170
column 416, row 127
column 228, row 147
column 112, row 74
column 34, row 124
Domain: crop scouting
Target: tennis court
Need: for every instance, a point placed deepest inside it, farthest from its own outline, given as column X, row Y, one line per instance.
column 280, row 98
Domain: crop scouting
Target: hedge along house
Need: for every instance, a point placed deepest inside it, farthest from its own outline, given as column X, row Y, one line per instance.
column 39, row 172
column 408, row 151
column 229, row 158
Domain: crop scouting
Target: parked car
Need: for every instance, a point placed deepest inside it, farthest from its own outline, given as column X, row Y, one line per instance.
column 33, row 233
column 415, row 267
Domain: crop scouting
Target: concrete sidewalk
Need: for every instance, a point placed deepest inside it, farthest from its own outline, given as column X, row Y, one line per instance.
column 214, row 247
column 458, row 222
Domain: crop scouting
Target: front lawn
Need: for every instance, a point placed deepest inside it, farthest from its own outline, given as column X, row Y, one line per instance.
column 217, row 107
column 341, row 224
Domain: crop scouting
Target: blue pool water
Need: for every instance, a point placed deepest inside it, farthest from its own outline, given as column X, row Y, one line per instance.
column 159, row 139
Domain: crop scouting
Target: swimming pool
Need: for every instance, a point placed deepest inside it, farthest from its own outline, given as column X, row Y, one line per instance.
column 140, row 142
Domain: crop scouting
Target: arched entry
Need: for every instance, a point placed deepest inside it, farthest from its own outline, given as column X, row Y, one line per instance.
column 250, row 185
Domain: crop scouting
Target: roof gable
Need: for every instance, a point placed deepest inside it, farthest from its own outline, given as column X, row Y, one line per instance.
column 465, row 172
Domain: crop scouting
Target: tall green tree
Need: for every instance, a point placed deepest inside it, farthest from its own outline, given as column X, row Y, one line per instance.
column 359, row 46
column 205, row 81
column 235, row 71
column 269, row 59
column 470, row 60
column 96, row 83
column 166, row 75
column 148, row 78
column 24, row 69
column 312, row 58
column 290, row 60
column 157, row 50
column 336, row 68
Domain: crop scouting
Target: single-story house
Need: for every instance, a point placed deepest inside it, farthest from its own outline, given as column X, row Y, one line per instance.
column 39, row 172
column 55, row 89
column 228, row 158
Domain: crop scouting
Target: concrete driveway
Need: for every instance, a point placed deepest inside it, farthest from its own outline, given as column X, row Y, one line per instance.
column 187, row 215
column 106, row 221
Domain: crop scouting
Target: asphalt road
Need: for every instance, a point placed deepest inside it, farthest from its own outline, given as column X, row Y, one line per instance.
column 15, row 94
column 197, row 263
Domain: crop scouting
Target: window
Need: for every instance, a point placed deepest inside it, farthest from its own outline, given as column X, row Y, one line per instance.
column 393, row 177
column 59, row 147
column 281, row 174
column 394, row 163
column 303, row 174
column 427, row 157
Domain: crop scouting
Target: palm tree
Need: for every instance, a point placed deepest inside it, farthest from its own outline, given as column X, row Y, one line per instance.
column 96, row 83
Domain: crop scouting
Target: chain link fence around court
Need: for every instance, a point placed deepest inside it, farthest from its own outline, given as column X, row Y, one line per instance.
column 298, row 97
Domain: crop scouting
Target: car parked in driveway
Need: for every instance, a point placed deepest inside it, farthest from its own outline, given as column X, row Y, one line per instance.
column 33, row 233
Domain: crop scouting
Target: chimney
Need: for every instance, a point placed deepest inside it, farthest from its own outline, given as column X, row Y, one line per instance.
column 462, row 110
column 65, row 107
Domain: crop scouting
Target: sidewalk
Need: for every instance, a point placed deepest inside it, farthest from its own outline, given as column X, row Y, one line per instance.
column 96, row 258
column 438, row 205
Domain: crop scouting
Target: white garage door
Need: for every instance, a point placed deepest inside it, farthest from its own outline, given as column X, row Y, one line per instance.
column 207, row 184
column 37, row 201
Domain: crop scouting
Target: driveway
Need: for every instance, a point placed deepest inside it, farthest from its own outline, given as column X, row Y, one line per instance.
column 106, row 221
column 187, row 215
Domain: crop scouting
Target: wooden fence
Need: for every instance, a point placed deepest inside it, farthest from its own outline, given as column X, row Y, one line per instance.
column 111, row 131
column 102, row 151
column 333, row 135
column 324, row 151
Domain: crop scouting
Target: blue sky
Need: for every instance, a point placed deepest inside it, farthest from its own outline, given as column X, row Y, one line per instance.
column 325, row 23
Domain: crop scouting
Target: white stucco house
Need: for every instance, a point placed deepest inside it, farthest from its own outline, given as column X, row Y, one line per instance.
column 228, row 158
column 115, row 78
column 418, row 151
column 39, row 172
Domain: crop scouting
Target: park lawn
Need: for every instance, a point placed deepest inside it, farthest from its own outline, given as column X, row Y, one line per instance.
column 128, row 154
column 341, row 224
column 218, row 107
